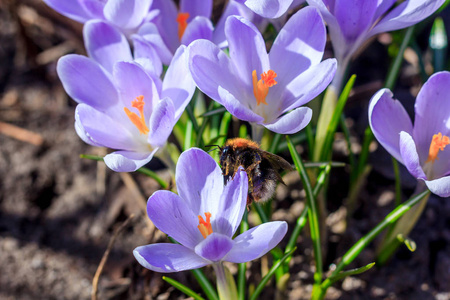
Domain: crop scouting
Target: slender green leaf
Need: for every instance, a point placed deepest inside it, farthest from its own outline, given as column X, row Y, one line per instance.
column 336, row 117
column 356, row 249
column 242, row 267
column 204, row 283
column 313, row 216
column 269, row 275
column 213, row 112
column 352, row 272
column 183, row 288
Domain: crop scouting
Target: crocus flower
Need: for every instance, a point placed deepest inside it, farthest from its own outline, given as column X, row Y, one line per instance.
column 107, row 45
column 126, row 15
column 353, row 22
column 203, row 218
column 422, row 147
column 266, row 89
column 181, row 26
column 125, row 110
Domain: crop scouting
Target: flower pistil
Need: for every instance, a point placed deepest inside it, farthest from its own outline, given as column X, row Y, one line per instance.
column 138, row 121
column 182, row 23
column 205, row 226
column 438, row 142
column 261, row 87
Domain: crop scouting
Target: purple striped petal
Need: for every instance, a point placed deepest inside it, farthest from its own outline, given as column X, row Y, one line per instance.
column 105, row 44
column 294, row 50
column 133, row 81
column 387, row 118
column 196, row 8
column 127, row 14
column 174, row 216
column 440, row 186
column 410, row 157
column 166, row 23
column 198, row 28
column 128, row 161
column 161, row 123
column 166, row 258
column 406, row 14
column 269, row 8
column 71, row 9
column 256, row 242
column 150, row 33
column 103, row 130
column 178, row 84
column 291, row 122
column 307, row 85
column 86, row 82
column 232, row 205
column 199, row 181
column 214, row 247
column 354, row 17
column 247, row 49
column 146, row 55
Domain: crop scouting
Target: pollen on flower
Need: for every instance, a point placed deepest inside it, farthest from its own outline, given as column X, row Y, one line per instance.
column 182, row 23
column 261, row 87
column 205, row 226
column 438, row 142
column 138, row 121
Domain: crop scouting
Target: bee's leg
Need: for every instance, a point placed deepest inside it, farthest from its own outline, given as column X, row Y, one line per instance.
column 256, row 161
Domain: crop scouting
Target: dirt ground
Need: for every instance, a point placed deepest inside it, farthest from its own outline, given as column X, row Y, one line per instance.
column 58, row 212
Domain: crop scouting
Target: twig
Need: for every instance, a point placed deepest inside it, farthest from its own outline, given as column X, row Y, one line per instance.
column 21, row 134
column 105, row 257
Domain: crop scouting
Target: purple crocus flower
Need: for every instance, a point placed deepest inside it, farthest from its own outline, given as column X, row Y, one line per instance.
column 422, row 147
column 266, row 89
column 126, row 15
column 203, row 218
column 124, row 109
column 353, row 22
column 184, row 25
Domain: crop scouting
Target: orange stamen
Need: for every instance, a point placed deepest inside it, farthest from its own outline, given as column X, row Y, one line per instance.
column 205, row 226
column 138, row 121
column 438, row 142
column 261, row 87
column 182, row 23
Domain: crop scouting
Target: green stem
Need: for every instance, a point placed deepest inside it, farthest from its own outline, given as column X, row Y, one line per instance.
column 225, row 282
column 398, row 182
column 242, row 267
column 365, row 240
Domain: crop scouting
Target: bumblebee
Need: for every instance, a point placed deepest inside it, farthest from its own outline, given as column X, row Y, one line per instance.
column 263, row 168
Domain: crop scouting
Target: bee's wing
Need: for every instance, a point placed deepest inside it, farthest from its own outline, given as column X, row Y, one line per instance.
column 278, row 163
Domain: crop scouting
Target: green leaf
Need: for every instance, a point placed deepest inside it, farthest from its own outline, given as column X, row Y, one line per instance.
column 204, row 283
column 313, row 215
column 336, row 117
column 269, row 275
column 356, row 271
column 183, row 288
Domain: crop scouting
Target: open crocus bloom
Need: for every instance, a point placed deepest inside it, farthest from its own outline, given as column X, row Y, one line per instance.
column 203, row 218
column 266, row 89
column 423, row 148
column 125, row 109
column 126, row 15
column 352, row 22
